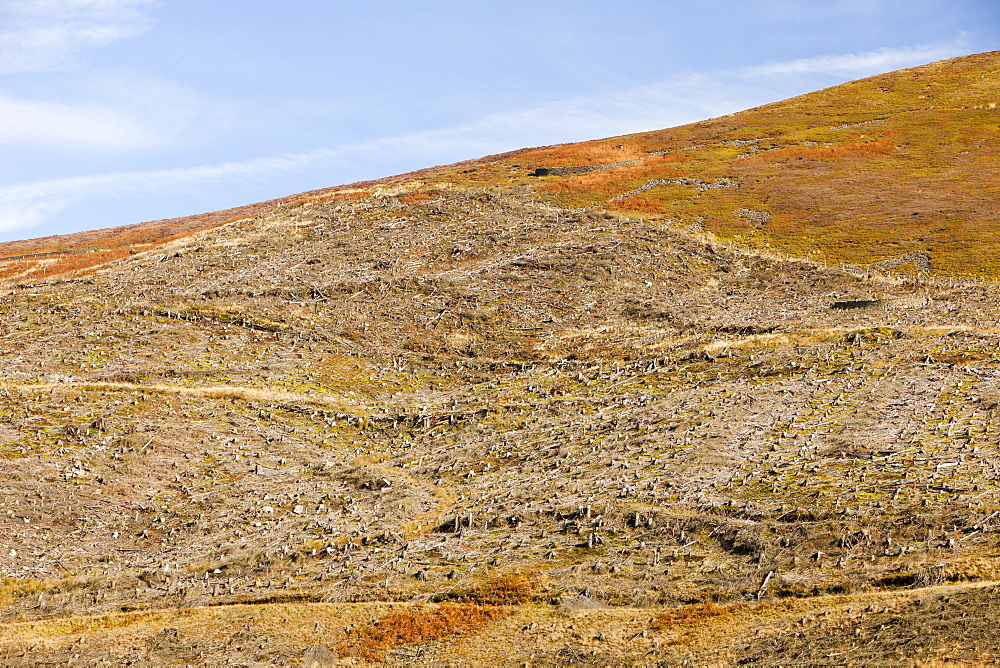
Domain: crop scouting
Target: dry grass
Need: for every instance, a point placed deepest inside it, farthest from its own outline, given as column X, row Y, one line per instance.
column 420, row 625
column 693, row 614
column 579, row 420
column 856, row 149
column 415, row 198
column 508, row 590
column 615, row 180
column 250, row 394
column 585, row 153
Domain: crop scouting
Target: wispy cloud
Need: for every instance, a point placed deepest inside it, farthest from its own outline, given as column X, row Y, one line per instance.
column 48, row 35
column 39, row 123
column 683, row 99
column 664, row 104
column 862, row 64
column 97, row 111
column 110, row 111
column 30, row 204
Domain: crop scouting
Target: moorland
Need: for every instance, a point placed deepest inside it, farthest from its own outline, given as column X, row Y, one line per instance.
column 723, row 394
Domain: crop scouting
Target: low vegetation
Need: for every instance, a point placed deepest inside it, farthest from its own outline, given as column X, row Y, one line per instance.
column 416, row 627
column 453, row 416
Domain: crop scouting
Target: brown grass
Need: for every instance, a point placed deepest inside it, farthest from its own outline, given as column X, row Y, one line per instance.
column 615, row 180
column 692, row 614
column 856, row 149
column 637, row 204
column 419, row 625
column 507, row 590
column 77, row 262
column 415, row 198
column 587, row 153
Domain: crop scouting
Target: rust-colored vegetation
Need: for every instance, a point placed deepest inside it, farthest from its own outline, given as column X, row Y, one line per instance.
column 508, row 590
column 415, row 626
column 415, row 198
column 855, row 149
column 693, row 614
column 586, row 153
column 638, row 204
column 856, row 174
column 597, row 188
column 652, row 167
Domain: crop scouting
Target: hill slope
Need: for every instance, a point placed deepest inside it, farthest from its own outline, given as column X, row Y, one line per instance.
column 413, row 426
column 864, row 172
column 890, row 169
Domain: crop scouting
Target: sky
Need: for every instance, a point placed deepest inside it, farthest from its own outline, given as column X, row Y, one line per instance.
column 121, row 111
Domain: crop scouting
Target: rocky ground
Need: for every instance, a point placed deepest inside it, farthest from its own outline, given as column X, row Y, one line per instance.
column 520, row 433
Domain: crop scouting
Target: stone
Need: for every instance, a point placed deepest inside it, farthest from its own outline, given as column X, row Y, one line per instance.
column 319, row 656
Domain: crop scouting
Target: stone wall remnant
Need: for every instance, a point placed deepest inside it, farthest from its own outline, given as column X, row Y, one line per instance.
column 881, row 304
column 583, row 169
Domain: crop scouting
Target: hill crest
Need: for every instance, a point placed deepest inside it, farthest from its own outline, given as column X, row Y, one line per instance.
column 859, row 173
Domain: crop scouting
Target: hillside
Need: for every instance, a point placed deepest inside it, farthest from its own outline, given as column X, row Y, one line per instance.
column 883, row 170
column 461, row 417
column 862, row 173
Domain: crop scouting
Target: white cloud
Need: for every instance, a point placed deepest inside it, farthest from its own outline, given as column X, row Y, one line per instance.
column 117, row 111
column 111, row 111
column 49, row 35
column 30, row 204
column 861, row 64
column 108, row 111
column 27, row 122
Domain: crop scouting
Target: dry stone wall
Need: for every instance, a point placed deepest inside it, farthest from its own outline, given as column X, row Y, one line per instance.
column 882, row 304
column 702, row 185
column 583, row 169
column 759, row 217
column 919, row 258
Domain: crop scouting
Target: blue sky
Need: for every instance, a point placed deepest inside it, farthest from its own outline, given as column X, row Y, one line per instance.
column 120, row 111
